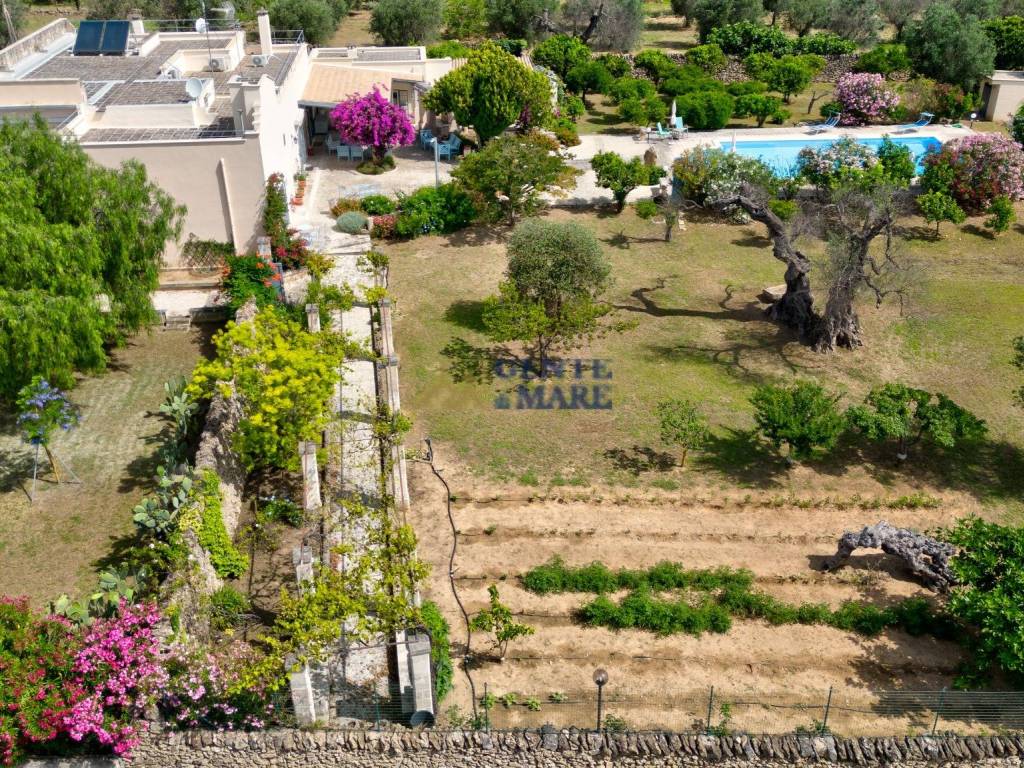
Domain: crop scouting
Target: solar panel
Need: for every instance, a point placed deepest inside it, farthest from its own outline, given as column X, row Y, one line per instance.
column 87, row 41
column 115, row 38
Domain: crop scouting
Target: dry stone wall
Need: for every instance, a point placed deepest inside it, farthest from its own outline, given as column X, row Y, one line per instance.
column 551, row 749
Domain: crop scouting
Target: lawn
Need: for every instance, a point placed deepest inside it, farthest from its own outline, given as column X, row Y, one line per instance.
column 53, row 545
column 699, row 332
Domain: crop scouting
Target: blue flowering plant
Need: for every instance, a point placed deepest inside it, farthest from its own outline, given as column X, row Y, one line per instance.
column 42, row 410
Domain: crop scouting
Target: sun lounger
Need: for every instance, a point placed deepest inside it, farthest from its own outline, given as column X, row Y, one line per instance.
column 924, row 120
column 825, row 125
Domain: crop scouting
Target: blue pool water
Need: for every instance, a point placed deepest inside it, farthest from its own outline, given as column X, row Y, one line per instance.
column 781, row 154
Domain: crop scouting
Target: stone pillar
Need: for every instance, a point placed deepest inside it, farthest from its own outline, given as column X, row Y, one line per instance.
column 302, row 559
column 313, row 318
column 310, row 476
column 302, row 693
column 263, row 247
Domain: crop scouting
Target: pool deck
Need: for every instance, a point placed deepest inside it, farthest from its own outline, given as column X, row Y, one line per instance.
column 587, row 192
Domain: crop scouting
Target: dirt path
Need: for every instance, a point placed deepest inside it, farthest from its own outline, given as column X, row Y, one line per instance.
column 503, row 532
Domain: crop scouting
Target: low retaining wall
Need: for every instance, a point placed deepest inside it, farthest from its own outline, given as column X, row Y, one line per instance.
column 550, row 749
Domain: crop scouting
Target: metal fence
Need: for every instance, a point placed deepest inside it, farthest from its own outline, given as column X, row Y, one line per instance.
column 843, row 712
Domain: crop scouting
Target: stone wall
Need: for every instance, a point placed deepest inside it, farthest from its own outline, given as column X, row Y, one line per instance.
column 551, row 749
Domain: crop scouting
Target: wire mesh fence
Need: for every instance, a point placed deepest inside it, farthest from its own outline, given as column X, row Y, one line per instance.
column 843, row 712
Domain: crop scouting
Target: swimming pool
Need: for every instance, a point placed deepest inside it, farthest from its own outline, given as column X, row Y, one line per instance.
column 781, row 154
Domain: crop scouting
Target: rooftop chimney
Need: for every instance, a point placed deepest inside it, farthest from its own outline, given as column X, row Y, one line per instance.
column 138, row 25
column 266, row 36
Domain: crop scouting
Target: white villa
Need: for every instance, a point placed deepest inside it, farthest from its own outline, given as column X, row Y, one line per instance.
column 209, row 113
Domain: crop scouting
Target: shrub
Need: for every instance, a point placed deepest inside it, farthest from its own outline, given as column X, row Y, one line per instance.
column 249, row 277
column 645, row 209
column 617, row 66
column 375, row 205
column 792, row 74
column 937, row 207
column 803, row 416
column 383, row 226
column 746, row 87
column 824, row 44
column 655, row 63
column 449, row 49
column 565, row 132
column 631, row 88
column 428, row 210
column 284, row 511
column 705, row 110
column 352, row 222
column 373, row 119
column 688, row 79
column 1001, row 214
column 863, row 97
column 513, row 46
column 884, row 59
column 572, row 108
column 643, row 111
column 227, row 606
column 440, row 649
column 344, row 205
column 897, row 161
column 709, row 58
column 976, row 169
column 704, row 174
column 836, row 162
column 758, row 66
column 950, row 101
column 758, row 105
column 746, row 37
column 590, row 77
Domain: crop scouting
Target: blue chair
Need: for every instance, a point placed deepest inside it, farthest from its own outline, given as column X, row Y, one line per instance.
column 923, row 121
column 425, row 136
column 658, row 133
column 827, row 125
column 679, row 127
column 449, row 149
column 341, row 150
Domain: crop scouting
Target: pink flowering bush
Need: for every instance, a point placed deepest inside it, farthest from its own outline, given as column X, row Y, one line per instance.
column 197, row 692
column 976, row 169
column 60, row 684
column 373, row 120
column 835, row 162
column 863, row 97
column 119, row 671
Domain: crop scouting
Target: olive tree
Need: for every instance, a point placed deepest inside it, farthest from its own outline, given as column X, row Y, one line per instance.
column 948, row 47
column 406, row 22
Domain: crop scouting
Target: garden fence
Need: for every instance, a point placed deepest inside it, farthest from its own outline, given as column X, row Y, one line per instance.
column 843, row 712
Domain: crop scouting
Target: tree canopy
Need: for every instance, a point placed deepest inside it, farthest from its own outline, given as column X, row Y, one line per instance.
column 951, row 48
column 71, row 233
column 507, row 177
column 406, row 22
column 492, row 90
column 315, row 18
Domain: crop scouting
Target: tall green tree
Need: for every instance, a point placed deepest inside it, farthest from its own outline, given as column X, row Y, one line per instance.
column 518, row 18
column 719, row 13
column 900, row 12
column 803, row 416
column 315, row 18
column 464, row 18
column 804, row 15
column 945, row 46
column 491, row 91
column 507, row 177
column 80, row 254
column 856, row 20
column 560, row 53
column 618, row 27
column 590, row 77
column 406, row 22
column 556, row 274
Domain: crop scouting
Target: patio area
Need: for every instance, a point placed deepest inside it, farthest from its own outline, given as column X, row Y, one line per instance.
column 414, row 168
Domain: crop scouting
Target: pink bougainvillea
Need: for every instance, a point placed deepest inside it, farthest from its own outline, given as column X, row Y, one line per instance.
column 863, row 97
column 118, row 670
column 373, row 120
column 976, row 169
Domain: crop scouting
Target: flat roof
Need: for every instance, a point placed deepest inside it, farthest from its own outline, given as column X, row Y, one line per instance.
column 1007, row 76
column 328, row 84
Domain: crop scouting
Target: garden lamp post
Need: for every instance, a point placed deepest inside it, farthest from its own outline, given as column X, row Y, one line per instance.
column 600, row 679
column 437, row 162
column 974, row 116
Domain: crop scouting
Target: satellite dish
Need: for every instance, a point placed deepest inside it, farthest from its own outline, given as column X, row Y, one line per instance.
column 194, row 88
column 200, row 25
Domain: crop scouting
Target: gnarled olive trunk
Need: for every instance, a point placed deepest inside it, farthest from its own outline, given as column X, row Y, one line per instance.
column 795, row 309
